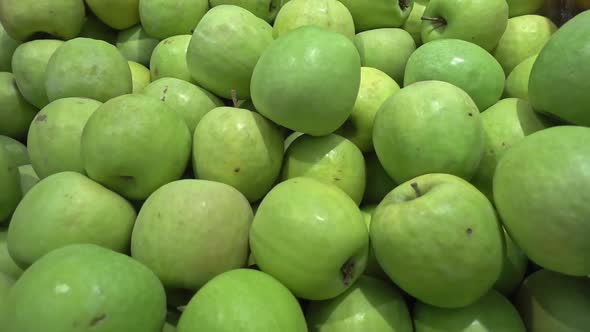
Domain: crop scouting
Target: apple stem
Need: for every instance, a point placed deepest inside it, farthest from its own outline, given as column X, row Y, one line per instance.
column 416, row 189
column 234, row 97
column 439, row 20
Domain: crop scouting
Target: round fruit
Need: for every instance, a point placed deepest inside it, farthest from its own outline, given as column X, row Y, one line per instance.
column 16, row 113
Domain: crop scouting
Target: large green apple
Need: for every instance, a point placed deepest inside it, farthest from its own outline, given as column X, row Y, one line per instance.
column 180, row 227
column 85, row 287
column 90, row 68
column 265, row 9
column 128, row 133
column 136, row 45
column 31, row 19
column 541, row 186
column 308, row 80
column 491, row 313
column 296, row 218
column 438, row 238
column 96, row 29
column 162, row 18
column 243, row 300
column 15, row 112
column 378, row 13
column 188, row 100
column 513, row 269
column 7, row 265
column 118, row 14
column 328, row 14
column 386, row 49
column 462, row 64
column 413, row 24
column 10, row 183
column 517, row 82
column 15, row 150
column 523, row 7
column 67, row 208
column 54, row 136
column 331, row 159
column 240, row 148
column 524, row 37
column 559, row 82
column 429, row 127
column 169, row 59
column 7, row 47
column 481, row 22
column 28, row 178
column 140, row 76
column 378, row 183
column 504, row 124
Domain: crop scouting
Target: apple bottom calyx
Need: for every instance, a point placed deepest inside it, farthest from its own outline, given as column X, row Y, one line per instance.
column 403, row 4
column 347, row 272
column 438, row 21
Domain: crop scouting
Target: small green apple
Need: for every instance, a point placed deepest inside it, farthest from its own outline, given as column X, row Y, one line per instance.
column 376, row 87
column 540, row 189
column 7, row 47
column 265, row 9
column 15, row 150
column 523, row 7
column 429, row 127
column 462, row 64
column 289, row 69
column 96, row 29
column 54, row 136
column 140, row 76
column 240, row 148
column 481, row 22
column 118, row 14
column 162, row 19
column 373, row 268
column 328, row 14
column 84, row 67
column 15, row 112
column 386, row 49
column 7, row 265
column 169, row 59
column 136, row 45
column 331, row 159
column 29, row 64
column 10, row 183
column 438, row 238
column 74, row 290
column 513, row 269
column 517, row 82
column 28, row 178
column 413, row 24
column 378, row 13
column 297, row 217
column 243, row 300
column 378, row 183
column 224, row 49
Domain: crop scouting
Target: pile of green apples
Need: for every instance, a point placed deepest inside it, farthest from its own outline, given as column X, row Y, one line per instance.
column 294, row 166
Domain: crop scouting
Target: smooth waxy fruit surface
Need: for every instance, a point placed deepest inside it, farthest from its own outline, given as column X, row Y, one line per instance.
column 169, row 59
column 15, row 112
column 378, row 14
column 10, row 182
column 162, row 19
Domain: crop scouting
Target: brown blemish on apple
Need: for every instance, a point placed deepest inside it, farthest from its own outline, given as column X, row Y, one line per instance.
column 41, row 118
column 97, row 320
column 164, row 93
column 237, row 170
column 416, row 189
column 347, row 272
column 469, row 231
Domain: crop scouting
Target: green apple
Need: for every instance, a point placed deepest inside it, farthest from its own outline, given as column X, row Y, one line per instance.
column 369, row 305
column 224, row 49
column 504, row 124
column 376, row 87
column 265, row 9
column 10, row 183
column 481, row 22
column 558, row 84
column 524, row 37
column 162, row 19
column 553, row 302
column 15, row 150
column 180, row 227
column 517, row 82
column 378, row 14
column 169, row 59
column 140, row 76
column 67, row 208
column 243, row 300
column 188, row 100
column 513, row 269
column 413, row 24
column 54, row 136
column 540, row 189
column 386, row 49
column 31, row 19
column 136, row 45
column 7, row 265
column 90, row 68
column 429, row 127
column 373, row 268
column 523, row 7
column 296, row 218
column 118, row 14
column 160, row 138
column 29, row 64
column 28, row 178
column 307, row 80
column 438, row 238
column 491, row 313
column 462, row 64
column 96, row 29
column 15, row 112
column 328, row 14
column 240, row 148
column 7, row 47
column 378, row 183
column 331, row 159
column 74, row 290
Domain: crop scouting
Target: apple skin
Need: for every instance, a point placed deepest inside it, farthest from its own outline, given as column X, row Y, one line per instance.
column 556, row 89
column 378, row 14
column 524, row 37
column 29, row 64
column 379, row 183
column 243, row 300
column 517, row 83
column 290, row 68
column 373, row 269
column 53, row 141
column 294, row 219
column 514, row 268
column 265, row 9
column 493, row 312
column 136, row 45
column 159, row 138
column 10, row 182
column 15, row 150
column 96, row 29
column 523, row 7
column 118, row 14
column 462, row 64
column 7, row 47
column 7, row 265
column 28, row 178
column 169, row 59
column 59, row 18
column 83, row 274
column 90, row 68
column 140, row 76
column 444, row 251
column 162, row 19
column 15, row 112
column 429, row 127
column 481, row 22
column 225, row 47
column 328, row 14
column 413, row 24
column 540, row 190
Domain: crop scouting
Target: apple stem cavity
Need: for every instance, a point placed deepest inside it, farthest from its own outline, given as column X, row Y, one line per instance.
column 403, row 4
column 416, row 189
column 348, row 272
column 441, row 21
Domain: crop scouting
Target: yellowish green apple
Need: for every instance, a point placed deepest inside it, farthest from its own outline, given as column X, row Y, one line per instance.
column 169, row 59
column 162, row 18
